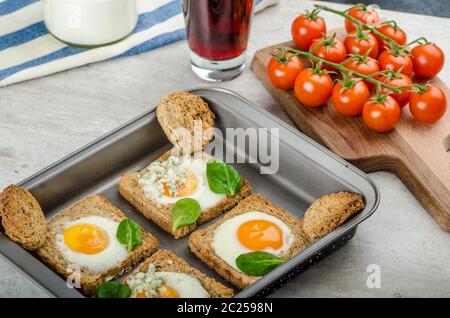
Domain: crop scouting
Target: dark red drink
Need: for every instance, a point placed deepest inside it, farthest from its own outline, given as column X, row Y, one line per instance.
column 218, row 29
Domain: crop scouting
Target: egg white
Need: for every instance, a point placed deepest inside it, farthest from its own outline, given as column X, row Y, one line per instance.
column 203, row 194
column 110, row 256
column 185, row 285
column 227, row 245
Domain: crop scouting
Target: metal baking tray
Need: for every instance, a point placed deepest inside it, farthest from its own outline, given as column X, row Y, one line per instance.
column 307, row 171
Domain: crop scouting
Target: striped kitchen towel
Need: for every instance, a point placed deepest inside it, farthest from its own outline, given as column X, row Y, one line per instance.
column 28, row 51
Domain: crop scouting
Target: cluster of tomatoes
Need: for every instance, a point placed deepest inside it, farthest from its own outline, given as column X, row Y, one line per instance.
column 377, row 69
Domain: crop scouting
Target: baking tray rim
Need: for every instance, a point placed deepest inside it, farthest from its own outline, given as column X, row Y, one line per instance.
column 282, row 269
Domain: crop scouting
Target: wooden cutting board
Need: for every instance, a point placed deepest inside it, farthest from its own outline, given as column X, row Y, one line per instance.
column 415, row 152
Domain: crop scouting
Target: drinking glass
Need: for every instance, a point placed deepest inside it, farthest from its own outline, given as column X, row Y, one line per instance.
column 217, row 33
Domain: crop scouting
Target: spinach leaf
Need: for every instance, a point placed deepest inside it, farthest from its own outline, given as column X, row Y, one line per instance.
column 113, row 289
column 223, row 178
column 129, row 234
column 184, row 212
column 258, row 263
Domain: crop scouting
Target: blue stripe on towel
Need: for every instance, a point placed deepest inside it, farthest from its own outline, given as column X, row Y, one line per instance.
column 146, row 20
column 160, row 40
column 67, row 51
column 163, row 13
column 22, row 36
column 153, row 43
column 9, row 6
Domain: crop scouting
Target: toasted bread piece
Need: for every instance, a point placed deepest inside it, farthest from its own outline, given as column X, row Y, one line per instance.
column 95, row 205
column 162, row 214
column 185, row 110
column 200, row 242
column 330, row 211
column 166, row 261
column 22, row 217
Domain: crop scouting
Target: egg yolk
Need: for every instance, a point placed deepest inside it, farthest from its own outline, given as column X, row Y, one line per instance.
column 86, row 238
column 167, row 292
column 184, row 189
column 141, row 295
column 260, row 234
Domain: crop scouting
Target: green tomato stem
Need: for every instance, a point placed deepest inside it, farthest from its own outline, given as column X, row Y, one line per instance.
column 391, row 23
column 371, row 28
column 418, row 40
column 342, row 69
column 348, row 60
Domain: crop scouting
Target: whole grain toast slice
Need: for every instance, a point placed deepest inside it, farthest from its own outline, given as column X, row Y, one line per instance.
column 161, row 214
column 200, row 242
column 330, row 211
column 181, row 114
column 166, row 261
column 22, row 217
column 95, row 205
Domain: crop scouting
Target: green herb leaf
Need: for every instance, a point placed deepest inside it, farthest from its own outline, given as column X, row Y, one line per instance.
column 185, row 211
column 129, row 234
column 223, row 178
column 113, row 289
column 258, row 263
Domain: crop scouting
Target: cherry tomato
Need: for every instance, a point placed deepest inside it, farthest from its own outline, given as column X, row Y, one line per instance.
column 393, row 32
column 332, row 50
column 428, row 60
column 361, row 43
column 429, row 106
column 401, row 97
column 366, row 15
column 381, row 116
column 365, row 66
column 306, row 28
column 349, row 101
column 391, row 60
column 283, row 71
column 313, row 89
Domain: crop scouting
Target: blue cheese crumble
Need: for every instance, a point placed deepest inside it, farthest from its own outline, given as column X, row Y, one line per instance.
column 169, row 172
column 146, row 283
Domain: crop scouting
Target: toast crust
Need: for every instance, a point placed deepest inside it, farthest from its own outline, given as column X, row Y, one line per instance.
column 330, row 211
column 22, row 217
column 99, row 206
column 161, row 214
column 182, row 110
column 166, row 261
column 200, row 241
